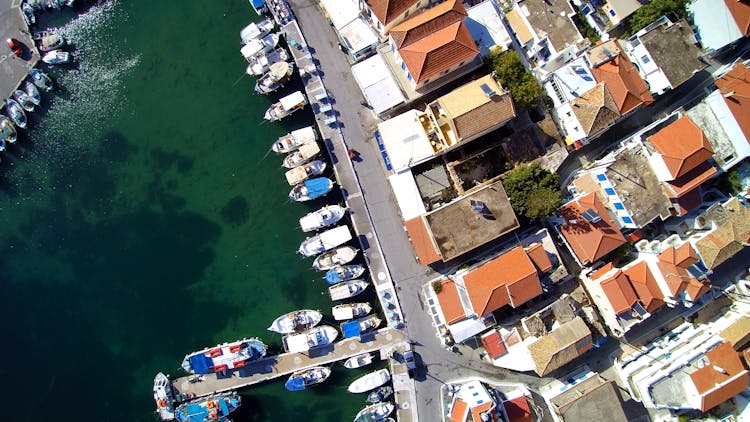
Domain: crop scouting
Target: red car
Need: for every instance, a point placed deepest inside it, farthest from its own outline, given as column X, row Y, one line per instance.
column 15, row 45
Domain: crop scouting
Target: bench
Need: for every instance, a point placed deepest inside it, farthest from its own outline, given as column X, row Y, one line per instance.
column 325, row 108
column 330, row 120
column 322, row 96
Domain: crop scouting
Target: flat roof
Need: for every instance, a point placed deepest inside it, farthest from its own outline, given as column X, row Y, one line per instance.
column 572, row 80
column 458, row 229
column 377, row 84
column 593, row 399
column 714, row 22
column 550, row 18
column 340, row 12
column 405, row 140
column 487, row 28
column 359, row 35
column 407, row 195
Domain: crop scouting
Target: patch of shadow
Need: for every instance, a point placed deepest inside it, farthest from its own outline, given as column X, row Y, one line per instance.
column 236, row 212
column 184, row 164
column 295, row 289
column 116, row 147
column 166, row 159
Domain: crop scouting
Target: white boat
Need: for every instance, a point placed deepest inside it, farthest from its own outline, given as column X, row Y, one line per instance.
column 347, row 289
column 325, row 241
column 305, row 171
column 24, row 100
column 305, row 378
column 41, row 79
column 350, row 310
column 56, row 57
column 286, row 106
column 370, row 381
column 260, row 64
column 49, row 40
column 261, row 46
column 15, row 112
column 311, row 189
column 294, row 140
column 256, row 30
column 302, row 155
column 323, row 217
column 278, row 74
column 377, row 412
column 28, row 14
column 309, row 339
column 358, row 361
column 224, row 357
column 366, row 324
column 339, row 256
column 32, row 92
column 296, row 321
column 7, row 132
column 164, row 397
column 259, row 6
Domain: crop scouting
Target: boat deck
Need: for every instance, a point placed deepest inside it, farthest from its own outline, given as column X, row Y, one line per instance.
column 276, row 366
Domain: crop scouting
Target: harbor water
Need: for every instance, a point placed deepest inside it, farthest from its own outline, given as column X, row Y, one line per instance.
column 142, row 218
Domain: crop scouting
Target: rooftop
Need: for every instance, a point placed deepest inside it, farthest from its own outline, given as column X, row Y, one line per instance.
column 682, row 145
column 560, row 346
column 422, row 241
column 732, row 222
column 721, row 378
column 735, row 87
column 589, row 240
column 738, row 333
column 594, row 399
column 703, row 115
column 595, row 109
column 644, row 284
column 485, row 23
column 450, row 302
column 673, row 49
column 619, row 292
column 623, row 82
column 551, row 18
column 388, row 10
column 428, row 21
column 740, row 10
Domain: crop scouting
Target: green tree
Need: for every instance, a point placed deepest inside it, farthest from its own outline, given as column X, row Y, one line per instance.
column 653, row 11
column 513, row 75
column 534, row 192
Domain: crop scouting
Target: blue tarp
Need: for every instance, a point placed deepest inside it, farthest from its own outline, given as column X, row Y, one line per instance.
column 258, row 3
column 201, row 364
column 332, row 277
column 350, row 329
column 295, row 384
column 318, row 187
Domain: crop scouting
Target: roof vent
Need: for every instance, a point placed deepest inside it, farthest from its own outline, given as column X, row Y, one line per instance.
column 487, row 90
column 729, row 94
column 591, row 216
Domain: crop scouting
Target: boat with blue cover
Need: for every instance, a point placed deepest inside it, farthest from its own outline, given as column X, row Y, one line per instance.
column 224, row 357
column 380, row 394
column 41, row 79
column 211, row 408
column 360, row 326
column 311, row 189
column 305, row 378
column 259, row 6
column 341, row 273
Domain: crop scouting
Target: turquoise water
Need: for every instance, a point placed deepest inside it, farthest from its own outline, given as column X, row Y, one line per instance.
column 142, row 219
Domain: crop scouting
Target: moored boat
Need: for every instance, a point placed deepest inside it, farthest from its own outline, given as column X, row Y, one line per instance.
column 164, row 397
column 255, row 47
column 370, row 381
column 28, row 14
column 305, row 171
column 286, row 106
column 49, row 40
column 32, row 92
column 347, row 289
column 305, row 378
column 256, row 30
column 260, row 63
column 15, row 112
column 311, row 189
column 302, row 155
column 380, row 394
column 325, row 241
column 360, row 326
column 56, row 57
column 24, row 100
column 350, row 310
column 339, row 256
column 278, row 74
column 377, row 412
column 212, row 408
column 294, row 140
column 7, row 132
column 321, row 335
column 323, row 217
column 259, row 6
column 224, row 357
column 358, row 361
column 41, row 79
column 296, row 321
column 341, row 273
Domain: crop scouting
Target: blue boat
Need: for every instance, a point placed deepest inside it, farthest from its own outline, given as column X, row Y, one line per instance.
column 224, row 357
column 300, row 380
column 341, row 273
column 259, row 6
column 311, row 189
column 211, row 408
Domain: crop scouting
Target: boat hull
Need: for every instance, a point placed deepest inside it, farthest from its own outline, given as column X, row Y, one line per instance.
column 347, row 289
column 216, row 407
column 319, row 336
column 358, row 361
column 339, row 256
column 306, row 378
column 296, row 321
column 341, row 273
column 369, row 381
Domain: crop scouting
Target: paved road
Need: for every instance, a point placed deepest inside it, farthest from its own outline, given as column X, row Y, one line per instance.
column 14, row 69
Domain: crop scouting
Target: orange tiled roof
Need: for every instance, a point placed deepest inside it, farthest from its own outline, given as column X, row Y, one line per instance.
column 627, row 87
column 460, row 410
column 683, row 146
column 683, row 256
column 735, row 86
column 740, row 10
column 644, row 284
column 619, row 292
column 595, row 109
column 721, row 379
column 388, row 10
column 494, row 345
column 438, row 51
column 695, row 289
column 509, row 279
column 687, row 183
column 422, row 241
column 476, row 411
column 427, row 22
column 518, row 409
column 450, row 303
column 589, row 241
column 677, row 278
column 539, row 257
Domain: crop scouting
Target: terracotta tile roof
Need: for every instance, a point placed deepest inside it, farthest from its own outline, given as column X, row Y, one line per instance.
column 603, row 270
column 644, row 284
column 728, row 238
column 519, row 27
column 388, row 10
column 683, row 256
column 494, row 345
column 518, row 409
column 589, row 241
column 695, row 289
column 422, row 241
column 683, row 146
column 619, row 292
column 740, row 10
column 509, row 279
column 722, row 378
column 539, row 257
column 735, row 86
column 595, row 109
column 627, row 87
column 425, row 23
column 476, row 411
column 676, row 278
column 689, row 201
column 450, row 303
column 562, row 345
column 689, row 181
column 439, row 51
column 460, row 410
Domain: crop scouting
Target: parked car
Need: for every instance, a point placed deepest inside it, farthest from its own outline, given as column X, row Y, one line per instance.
column 409, row 360
column 15, row 46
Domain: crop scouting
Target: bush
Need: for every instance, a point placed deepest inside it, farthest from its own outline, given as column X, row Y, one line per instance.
column 585, row 28
column 730, row 183
column 653, row 11
column 533, row 191
column 437, row 286
column 513, row 75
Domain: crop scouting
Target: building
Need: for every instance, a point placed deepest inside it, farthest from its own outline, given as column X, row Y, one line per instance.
column 734, row 90
column 719, row 23
column 474, row 401
column 727, row 231
column 486, row 26
column 560, row 346
column 384, row 14
column 354, row 33
column 612, row 67
column 592, row 399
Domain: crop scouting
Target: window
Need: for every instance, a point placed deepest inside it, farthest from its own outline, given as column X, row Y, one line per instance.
column 611, row 12
column 461, row 64
column 609, row 191
column 627, row 220
column 426, row 81
column 619, row 206
column 601, row 177
column 406, row 15
column 393, row 47
column 445, row 72
column 403, row 66
column 645, row 59
column 408, row 76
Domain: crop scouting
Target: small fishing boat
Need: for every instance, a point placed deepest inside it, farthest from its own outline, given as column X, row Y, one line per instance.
column 380, row 394
column 41, row 79
column 259, row 6
column 164, row 397
column 24, row 100
column 296, row 321
column 286, row 106
column 323, row 217
column 278, row 74
column 341, row 273
column 7, row 131
column 339, row 256
column 300, row 380
column 351, row 310
column 311, row 189
column 15, row 112
column 321, row 335
column 212, row 408
column 256, row 30
column 56, row 57
column 370, row 381
column 49, row 40
column 377, row 412
column 32, row 92
column 259, row 46
column 224, row 356
column 2, row 146
column 305, row 171
column 347, row 289
column 325, row 241
column 360, row 326
column 260, row 64
column 294, row 140
column 358, row 361
column 28, row 14
column 302, row 155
